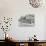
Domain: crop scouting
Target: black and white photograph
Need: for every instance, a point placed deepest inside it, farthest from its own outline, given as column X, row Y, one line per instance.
column 27, row 20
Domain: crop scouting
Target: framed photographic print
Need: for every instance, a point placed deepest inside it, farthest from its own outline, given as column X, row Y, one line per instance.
column 27, row 20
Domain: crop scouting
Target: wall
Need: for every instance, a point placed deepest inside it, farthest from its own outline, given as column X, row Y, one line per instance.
column 17, row 8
